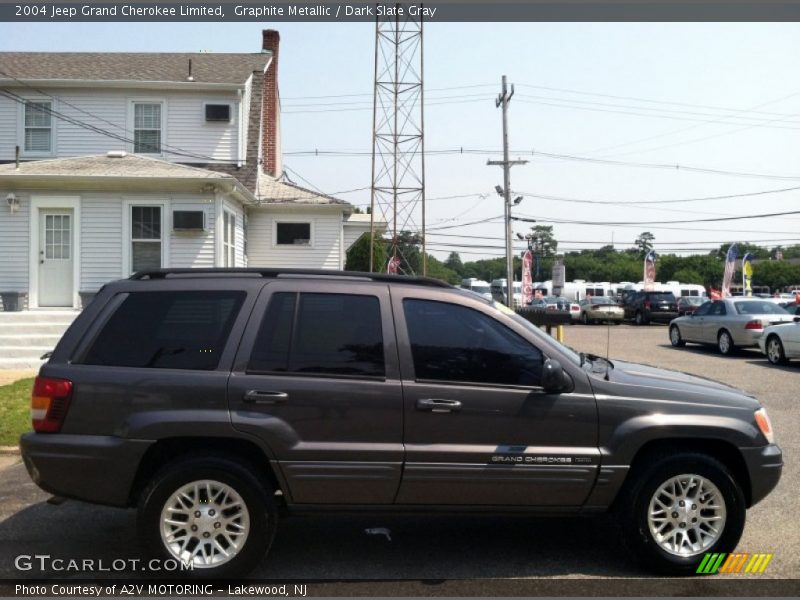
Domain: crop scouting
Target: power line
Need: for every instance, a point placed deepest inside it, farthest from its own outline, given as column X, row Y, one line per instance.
column 623, row 223
column 616, row 243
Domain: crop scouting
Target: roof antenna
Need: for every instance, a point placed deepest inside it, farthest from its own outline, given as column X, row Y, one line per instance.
column 190, row 77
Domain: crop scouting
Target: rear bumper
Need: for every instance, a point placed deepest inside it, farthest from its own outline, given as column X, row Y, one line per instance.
column 764, row 465
column 98, row 469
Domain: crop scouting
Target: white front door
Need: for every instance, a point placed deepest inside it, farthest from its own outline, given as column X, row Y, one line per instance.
column 56, row 256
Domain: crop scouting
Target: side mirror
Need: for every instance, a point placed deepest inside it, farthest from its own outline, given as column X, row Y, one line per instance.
column 554, row 379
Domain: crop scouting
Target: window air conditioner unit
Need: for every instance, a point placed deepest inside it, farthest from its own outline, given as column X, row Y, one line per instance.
column 188, row 220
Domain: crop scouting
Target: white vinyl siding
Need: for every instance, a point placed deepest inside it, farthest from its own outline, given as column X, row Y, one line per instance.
column 193, row 248
column 263, row 252
column 14, row 244
column 9, row 114
column 101, row 231
column 185, row 126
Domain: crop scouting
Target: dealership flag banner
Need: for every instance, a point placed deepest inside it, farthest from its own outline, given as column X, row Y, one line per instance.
column 730, row 267
column 747, row 274
column 394, row 265
column 527, row 279
column 649, row 271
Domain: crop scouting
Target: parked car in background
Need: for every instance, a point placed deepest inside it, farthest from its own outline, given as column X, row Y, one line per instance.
column 689, row 304
column 791, row 307
column 499, row 290
column 644, row 307
column 729, row 323
column 478, row 286
column 781, row 342
column 600, row 308
column 559, row 303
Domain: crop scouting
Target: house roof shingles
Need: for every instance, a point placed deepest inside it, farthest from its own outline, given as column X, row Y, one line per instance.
column 233, row 69
column 129, row 165
column 272, row 191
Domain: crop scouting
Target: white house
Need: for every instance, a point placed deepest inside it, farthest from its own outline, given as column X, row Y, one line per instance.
column 112, row 163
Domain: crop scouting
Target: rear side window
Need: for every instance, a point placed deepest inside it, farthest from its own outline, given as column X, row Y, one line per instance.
column 458, row 344
column 320, row 334
column 167, row 330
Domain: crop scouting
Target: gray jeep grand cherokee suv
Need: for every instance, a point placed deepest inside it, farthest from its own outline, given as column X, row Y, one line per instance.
column 216, row 400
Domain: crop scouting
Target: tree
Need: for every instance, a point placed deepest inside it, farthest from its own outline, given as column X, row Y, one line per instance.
column 644, row 242
column 358, row 255
column 543, row 235
column 454, row 263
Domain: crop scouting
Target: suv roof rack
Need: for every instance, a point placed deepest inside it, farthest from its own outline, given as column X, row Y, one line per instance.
column 276, row 273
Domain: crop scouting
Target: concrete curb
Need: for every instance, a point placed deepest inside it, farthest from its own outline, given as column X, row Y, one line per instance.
column 9, row 450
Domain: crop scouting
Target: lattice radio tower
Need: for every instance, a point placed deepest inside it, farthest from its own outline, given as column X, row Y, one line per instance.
column 398, row 142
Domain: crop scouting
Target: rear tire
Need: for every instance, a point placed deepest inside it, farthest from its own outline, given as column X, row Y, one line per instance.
column 725, row 343
column 675, row 337
column 585, row 319
column 230, row 517
column 679, row 549
column 775, row 352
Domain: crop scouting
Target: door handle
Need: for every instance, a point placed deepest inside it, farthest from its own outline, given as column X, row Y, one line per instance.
column 438, row 405
column 260, row 397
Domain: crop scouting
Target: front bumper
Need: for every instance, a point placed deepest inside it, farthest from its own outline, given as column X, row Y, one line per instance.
column 98, row 469
column 764, row 465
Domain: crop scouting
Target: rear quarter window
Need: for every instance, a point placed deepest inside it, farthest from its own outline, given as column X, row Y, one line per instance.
column 167, row 330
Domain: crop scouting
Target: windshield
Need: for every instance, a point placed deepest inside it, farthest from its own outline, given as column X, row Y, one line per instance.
column 571, row 354
column 757, row 307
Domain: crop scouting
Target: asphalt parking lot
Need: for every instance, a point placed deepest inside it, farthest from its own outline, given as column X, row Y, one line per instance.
column 492, row 552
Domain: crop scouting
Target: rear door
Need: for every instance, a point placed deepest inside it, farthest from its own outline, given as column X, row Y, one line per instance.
column 316, row 379
column 479, row 429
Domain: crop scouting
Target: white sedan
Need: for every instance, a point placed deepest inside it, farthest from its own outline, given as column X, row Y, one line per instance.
column 781, row 342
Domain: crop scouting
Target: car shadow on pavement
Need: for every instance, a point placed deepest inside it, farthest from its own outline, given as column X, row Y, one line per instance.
column 791, row 367
column 338, row 547
column 711, row 350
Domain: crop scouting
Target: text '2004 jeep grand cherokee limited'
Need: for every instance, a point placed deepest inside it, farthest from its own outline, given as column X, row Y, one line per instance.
column 217, row 397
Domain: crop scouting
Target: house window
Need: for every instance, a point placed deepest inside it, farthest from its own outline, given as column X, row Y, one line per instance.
column 147, row 127
column 229, row 238
column 293, row 234
column 38, row 126
column 145, row 238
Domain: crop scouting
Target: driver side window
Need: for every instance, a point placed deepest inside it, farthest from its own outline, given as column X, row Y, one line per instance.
column 458, row 344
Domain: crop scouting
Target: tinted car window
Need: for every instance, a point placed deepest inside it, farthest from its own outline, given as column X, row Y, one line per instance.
column 757, row 307
column 325, row 334
column 661, row 297
column 167, row 330
column 456, row 343
column 718, row 309
column 704, row 309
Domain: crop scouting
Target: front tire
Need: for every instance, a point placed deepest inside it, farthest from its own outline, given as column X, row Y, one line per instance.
column 675, row 337
column 725, row 343
column 775, row 352
column 639, row 318
column 209, row 511
column 679, row 509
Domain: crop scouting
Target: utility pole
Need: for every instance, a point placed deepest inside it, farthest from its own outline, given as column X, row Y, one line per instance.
column 502, row 100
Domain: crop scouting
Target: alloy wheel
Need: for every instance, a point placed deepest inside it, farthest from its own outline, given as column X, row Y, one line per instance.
column 775, row 350
column 205, row 523
column 686, row 515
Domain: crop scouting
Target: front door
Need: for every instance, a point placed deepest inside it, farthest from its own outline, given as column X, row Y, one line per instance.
column 479, row 428
column 56, row 256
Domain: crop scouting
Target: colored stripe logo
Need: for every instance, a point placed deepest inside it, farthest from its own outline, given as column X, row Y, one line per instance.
column 735, row 563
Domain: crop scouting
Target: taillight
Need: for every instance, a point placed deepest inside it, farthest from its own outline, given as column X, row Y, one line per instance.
column 574, row 307
column 754, row 324
column 50, row 403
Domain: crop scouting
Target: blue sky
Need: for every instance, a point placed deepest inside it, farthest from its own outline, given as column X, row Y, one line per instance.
column 730, row 91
